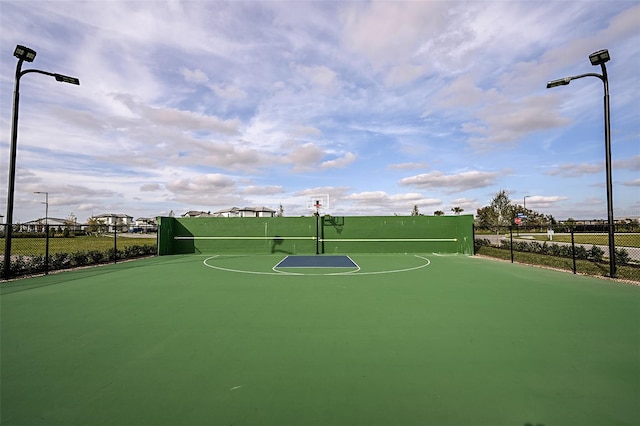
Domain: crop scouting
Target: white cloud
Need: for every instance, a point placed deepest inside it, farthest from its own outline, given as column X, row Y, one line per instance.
column 452, row 183
column 150, row 187
column 229, row 92
column 340, row 162
column 194, row 76
column 544, row 202
column 576, row 170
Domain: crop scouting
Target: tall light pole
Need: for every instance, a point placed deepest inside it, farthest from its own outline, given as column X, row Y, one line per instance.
column 525, row 202
column 600, row 58
column 46, row 202
column 24, row 54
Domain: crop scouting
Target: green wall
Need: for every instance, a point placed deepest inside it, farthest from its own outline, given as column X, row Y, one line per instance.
column 297, row 235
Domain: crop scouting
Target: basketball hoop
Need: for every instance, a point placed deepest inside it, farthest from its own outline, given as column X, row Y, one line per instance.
column 318, row 202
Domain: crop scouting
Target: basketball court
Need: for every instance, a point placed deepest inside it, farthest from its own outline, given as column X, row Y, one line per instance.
column 346, row 339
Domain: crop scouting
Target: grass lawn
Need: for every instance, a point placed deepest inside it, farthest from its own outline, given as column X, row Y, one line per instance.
column 36, row 246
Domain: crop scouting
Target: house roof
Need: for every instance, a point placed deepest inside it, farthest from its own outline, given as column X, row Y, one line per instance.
column 49, row 220
column 195, row 213
column 257, row 209
column 245, row 209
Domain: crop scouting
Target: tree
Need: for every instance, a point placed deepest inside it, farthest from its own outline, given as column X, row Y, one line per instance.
column 498, row 214
column 457, row 210
column 415, row 211
column 438, row 213
column 93, row 224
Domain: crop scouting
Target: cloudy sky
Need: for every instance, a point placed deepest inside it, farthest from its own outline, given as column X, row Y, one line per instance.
column 383, row 105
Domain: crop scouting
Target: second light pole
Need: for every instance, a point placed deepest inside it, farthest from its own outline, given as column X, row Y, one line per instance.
column 24, row 54
column 600, row 58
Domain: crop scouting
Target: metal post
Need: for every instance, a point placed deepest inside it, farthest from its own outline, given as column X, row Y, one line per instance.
column 600, row 58
column 511, row 239
column 12, row 172
column 573, row 251
column 46, row 250
column 23, row 54
column 607, row 144
column 115, row 240
column 317, row 232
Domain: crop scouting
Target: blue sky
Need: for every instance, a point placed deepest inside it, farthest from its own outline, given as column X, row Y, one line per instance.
column 383, row 105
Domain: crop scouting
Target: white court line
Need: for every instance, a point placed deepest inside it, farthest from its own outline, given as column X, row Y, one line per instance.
column 242, row 271
column 354, row 272
column 385, row 240
column 243, row 238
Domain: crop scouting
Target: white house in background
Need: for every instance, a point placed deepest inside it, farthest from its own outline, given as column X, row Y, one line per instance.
column 38, row 225
column 144, row 224
column 246, row 212
column 122, row 221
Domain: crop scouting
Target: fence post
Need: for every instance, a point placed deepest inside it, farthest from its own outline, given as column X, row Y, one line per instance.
column 573, row 251
column 115, row 244
column 511, row 239
column 46, row 249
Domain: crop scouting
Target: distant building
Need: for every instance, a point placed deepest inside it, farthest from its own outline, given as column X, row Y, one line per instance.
column 38, row 225
column 112, row 221
column 144, row 224
column 246, row 212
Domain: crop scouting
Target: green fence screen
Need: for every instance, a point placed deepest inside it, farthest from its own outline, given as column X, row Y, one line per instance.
column 312, row 234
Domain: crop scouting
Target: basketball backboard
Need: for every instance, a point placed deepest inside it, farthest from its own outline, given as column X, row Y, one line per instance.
column 318, row 202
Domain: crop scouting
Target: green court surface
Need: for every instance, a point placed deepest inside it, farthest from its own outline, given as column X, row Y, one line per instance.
column 399, row 340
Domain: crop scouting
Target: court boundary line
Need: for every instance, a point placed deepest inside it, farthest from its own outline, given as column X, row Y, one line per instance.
column 354, row 273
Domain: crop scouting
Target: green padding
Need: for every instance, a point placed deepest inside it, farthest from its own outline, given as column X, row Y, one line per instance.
column 297, row 235
column 390, row 234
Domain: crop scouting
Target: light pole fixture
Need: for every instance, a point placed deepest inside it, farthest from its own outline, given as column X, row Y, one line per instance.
column 525, row 202
column 600, row 58
column 24, row 54
column 46, row 202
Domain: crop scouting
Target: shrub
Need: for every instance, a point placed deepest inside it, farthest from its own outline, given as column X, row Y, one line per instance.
column 596, row 254
column 581, row 252
column 479, row 242
column 59, row 261
column 96, row 256
column 79, row 258
column 38, row 264
column 622, row 256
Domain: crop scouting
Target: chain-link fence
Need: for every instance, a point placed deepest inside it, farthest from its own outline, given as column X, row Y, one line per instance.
column 580, row 248
column 44, row 248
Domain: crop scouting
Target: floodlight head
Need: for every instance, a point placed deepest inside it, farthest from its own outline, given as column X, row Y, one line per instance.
column 24, row 53
column 67, row 79
column 599, row 57
column 559, row 82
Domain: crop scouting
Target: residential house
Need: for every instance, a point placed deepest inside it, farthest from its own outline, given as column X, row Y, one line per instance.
column 38, row 225
column 246, row 212
column 144, row 224
column 112, row 221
